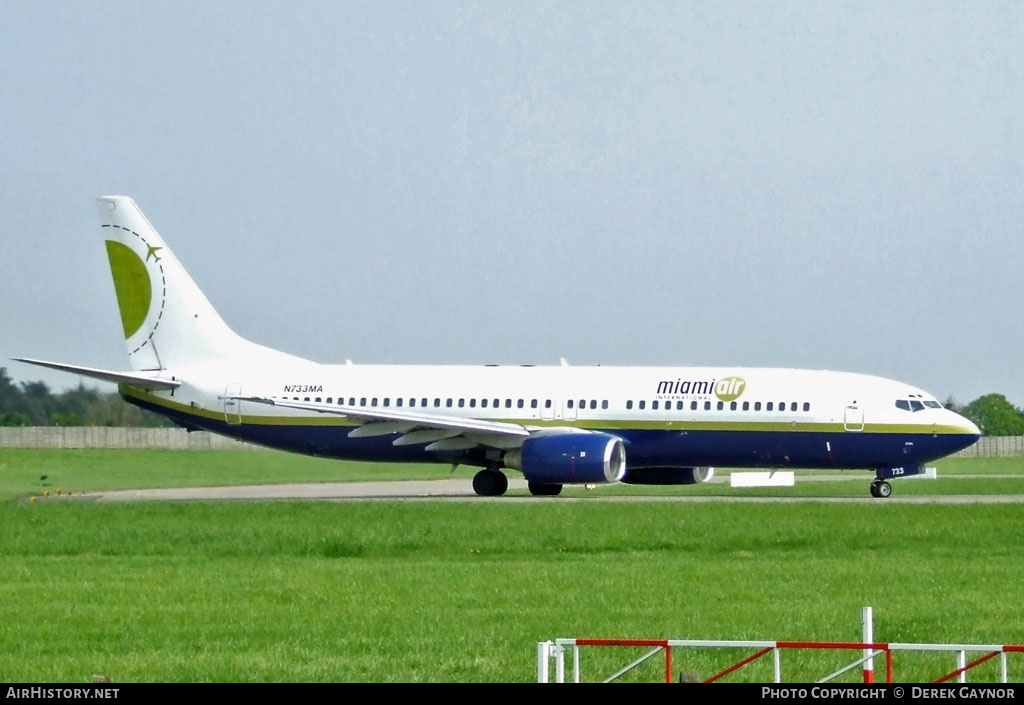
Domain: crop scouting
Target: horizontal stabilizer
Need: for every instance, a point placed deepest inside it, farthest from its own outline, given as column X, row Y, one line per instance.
column 136, row 379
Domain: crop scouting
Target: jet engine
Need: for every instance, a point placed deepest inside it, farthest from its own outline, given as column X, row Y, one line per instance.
column 570, row 458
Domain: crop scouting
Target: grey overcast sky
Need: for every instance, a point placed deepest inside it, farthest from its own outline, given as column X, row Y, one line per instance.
column 803, row 184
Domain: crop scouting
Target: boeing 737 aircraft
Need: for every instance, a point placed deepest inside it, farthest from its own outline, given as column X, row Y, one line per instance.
column 556, row 425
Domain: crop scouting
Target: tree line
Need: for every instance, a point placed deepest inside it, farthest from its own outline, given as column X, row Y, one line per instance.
column 33, row 404
column 993, row 414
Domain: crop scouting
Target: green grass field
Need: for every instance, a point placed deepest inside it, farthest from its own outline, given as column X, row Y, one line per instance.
column 435, row 591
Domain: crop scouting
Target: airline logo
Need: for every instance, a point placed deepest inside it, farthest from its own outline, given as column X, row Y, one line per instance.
column 726, row 389
column 730, row 388
column 141, row 306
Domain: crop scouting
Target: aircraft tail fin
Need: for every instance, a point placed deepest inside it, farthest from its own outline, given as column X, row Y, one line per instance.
column 166, row 319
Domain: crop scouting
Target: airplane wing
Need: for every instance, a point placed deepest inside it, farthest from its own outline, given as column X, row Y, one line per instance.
column 148, row 381
column 392, row 420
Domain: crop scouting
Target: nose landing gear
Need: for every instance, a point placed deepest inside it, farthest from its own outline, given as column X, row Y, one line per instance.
column 881, row 489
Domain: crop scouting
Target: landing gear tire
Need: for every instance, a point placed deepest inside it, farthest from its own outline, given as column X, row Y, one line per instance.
column 540, row 489
column 490, row 483
column 881, row 489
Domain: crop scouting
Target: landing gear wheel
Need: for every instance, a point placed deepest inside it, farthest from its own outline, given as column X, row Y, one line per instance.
column 490, row 483
column 881, row 488
column 540, row 489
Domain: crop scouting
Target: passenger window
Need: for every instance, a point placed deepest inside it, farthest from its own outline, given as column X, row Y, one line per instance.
column 569, row 403
column 769, row 406
column 654, row 405
column 437, row 401
column 721, row 405
column 782, row 406
column 679, row 406
column 412, row 401
column 373, row 402
column 629, row 404
column 593, row 403
column 547, row 403
column 351, row 401
column 807, row 406
column 423, row 401
column 362, row 401
column 448, row 402
column 387, row 401
column 472, row 403
column 483, row 403
column 604, row 404
column 519, row 404
column 693, row 406
column 643, row 404
column 508, row 403
column 398, row 401
column 318, row 400
column 707, row 406
column 746, row 406
column 330, row 400
column 305, row 399
column 792, row 406
column 533, row 403
column 757, row 406
column 732, row 406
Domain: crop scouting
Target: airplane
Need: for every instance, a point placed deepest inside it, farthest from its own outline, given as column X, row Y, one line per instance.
column 557, row 425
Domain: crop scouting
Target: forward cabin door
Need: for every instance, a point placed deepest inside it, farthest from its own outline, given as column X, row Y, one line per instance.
column 853, row 419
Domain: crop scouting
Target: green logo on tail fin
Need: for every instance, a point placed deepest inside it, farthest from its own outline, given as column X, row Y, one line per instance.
column 131, row 281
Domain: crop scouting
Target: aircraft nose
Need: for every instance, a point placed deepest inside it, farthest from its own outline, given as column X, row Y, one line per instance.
column 971, row 427
column 971, row 432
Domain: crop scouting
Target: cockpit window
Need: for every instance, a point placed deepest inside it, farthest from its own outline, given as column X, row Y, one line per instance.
column 915, row 405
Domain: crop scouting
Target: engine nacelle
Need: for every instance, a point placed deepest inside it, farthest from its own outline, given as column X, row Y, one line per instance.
column 668, row 476
column 570, row 458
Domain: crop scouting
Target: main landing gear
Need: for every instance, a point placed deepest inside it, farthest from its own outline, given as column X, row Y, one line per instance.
column 881, row 489
column 490, row 483
column 540, row 489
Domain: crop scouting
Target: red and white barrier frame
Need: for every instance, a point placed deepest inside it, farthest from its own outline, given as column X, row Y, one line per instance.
column 548, row 651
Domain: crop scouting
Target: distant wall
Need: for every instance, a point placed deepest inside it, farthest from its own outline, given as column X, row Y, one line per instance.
column 107, row 437
column 180, row 439
column 995, row 447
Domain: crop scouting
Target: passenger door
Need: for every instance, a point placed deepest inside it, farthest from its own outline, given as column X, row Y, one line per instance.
column 853, row 419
